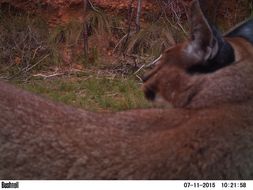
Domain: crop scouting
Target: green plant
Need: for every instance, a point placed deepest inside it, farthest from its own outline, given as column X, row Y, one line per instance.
column 22, row 44
column 92, row 93
column 151, row 40
column 98, row 22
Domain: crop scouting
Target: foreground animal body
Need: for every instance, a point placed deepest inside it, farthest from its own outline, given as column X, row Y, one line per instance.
column 207, row 135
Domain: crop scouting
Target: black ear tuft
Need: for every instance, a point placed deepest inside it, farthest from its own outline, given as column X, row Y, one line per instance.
column 243, row 30
column 203, row 42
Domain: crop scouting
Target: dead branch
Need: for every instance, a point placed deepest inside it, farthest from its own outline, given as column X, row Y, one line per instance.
column 48, row 76
column 138, row 15
column 93, row 7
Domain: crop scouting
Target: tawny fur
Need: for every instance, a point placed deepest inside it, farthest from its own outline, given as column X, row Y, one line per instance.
column 44, row 140
column 207, row 135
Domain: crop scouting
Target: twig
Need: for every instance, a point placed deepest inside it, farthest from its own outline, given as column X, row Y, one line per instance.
column 139, row 78
column 138, row 15
column 48, row 76
column 28, row 69
column 153, row 62
column 4, row 78
column 139, row 69
column 85, row 31
column 168, row 20
column 130, row 17
column 92, row 6
column 120, row 41
column 35, row 52
column 178, row 22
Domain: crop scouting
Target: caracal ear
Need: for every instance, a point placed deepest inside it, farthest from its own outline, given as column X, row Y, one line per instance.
column 203, row 44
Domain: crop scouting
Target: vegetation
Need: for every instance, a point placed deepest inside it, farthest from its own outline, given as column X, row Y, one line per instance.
column 91, row 92
column 23, row 45
column 51, row 61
